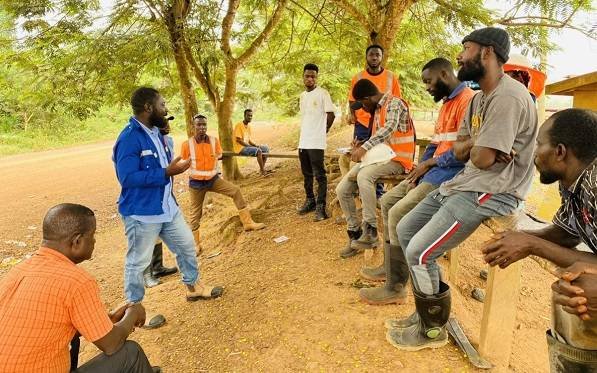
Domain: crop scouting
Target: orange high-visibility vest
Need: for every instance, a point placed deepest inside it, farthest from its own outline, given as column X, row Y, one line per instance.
column 208, row 167
column 402, row 143
column 448, row 121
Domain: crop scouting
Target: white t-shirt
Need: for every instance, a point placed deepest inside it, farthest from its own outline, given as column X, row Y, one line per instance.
column 313, row 107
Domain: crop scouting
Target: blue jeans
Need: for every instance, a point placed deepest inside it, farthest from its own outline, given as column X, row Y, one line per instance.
column 141, row 239
column 252, row 150
column 440, row 223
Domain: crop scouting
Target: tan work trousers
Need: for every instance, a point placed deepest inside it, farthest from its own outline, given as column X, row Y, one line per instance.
column 219, row 186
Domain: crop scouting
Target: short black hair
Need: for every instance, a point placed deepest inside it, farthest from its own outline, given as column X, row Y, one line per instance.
column 373, row 46
column 66, row 220
column 247, row 110
column 576, row 129
column 142, row 96
column 311, row 66
column 364, row 88
column 198, row 116
column 438, row 64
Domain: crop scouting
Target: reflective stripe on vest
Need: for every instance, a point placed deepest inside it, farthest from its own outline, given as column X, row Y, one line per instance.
column 389, row 80
column 193, row 169
column 402, row 143
column 448, row 136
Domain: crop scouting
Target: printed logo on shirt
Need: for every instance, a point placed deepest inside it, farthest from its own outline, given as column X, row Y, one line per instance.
column 476, row 122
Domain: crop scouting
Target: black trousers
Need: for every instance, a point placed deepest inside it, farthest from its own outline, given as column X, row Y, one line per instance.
column 129, row 359
column 312, row 166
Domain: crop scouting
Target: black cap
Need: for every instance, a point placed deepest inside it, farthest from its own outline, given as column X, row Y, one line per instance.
column 492, row 36
column 356, row 105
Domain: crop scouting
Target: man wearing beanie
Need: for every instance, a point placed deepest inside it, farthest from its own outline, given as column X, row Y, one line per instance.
column 391, row 124
column 496, row 141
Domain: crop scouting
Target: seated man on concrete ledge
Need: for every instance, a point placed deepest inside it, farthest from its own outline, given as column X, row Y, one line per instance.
column 47, row 300
column 393, row 125
column 244, row 145
column 565, row 152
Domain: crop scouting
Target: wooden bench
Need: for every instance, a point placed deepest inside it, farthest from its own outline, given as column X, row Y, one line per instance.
column 502, row 292
column 289, row 155
column 293, row 155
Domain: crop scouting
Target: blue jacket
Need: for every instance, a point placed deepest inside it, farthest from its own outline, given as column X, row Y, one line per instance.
column 447, row 166
column 139, row 172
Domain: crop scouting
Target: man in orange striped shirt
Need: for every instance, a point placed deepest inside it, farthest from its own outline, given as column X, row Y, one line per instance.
column 46, row 300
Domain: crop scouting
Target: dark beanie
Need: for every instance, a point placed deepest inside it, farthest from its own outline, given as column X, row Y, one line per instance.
column 492, row 36
column 363, row 88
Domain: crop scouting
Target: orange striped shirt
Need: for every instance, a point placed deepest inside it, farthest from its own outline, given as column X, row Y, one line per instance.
column 43, row 302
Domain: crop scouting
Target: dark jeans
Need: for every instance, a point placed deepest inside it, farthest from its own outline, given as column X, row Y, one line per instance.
column 312, row 165
column 129, row 359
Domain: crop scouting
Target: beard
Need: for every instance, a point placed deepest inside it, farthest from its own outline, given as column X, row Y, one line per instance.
column 472, row 70
column 546, row 177
column 157, row 120
column 373, row 66
column 441, row 90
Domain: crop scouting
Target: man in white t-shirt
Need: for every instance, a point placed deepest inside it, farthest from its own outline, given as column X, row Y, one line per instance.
column 317, row 116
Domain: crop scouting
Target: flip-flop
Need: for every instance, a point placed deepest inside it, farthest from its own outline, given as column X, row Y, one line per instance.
column 154, row 322
column 208, row 292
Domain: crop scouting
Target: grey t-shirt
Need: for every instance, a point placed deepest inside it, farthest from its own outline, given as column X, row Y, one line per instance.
column 505, row 119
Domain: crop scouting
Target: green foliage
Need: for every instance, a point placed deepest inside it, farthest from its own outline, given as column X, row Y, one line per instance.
column 67, row 61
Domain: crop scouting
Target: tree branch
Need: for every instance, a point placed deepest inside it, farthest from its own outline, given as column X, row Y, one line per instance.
column 355, row 13
column 227, row 27
column 264, row 35
column 203, row 79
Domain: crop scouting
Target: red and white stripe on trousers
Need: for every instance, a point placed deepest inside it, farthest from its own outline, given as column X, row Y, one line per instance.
column 445, row 236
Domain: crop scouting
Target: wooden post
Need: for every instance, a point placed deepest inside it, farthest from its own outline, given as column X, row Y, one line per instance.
column 501, row 302
column 453, row 256
column 499, row 313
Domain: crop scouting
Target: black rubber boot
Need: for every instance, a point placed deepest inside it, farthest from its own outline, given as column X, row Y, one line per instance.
column 378, row 273
column 148, row 278
column 396, row 271
column 320, row 213
column 307, row 207
column 157, row 262
column 402, row 323
column 396, row 266
column 430, row 330
column 348, row 251
column 368, row 239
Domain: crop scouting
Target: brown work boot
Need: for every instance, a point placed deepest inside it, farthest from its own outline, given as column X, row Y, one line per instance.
column 247, row 220
column 383, row 295
column 197, row 238
column 203, row 291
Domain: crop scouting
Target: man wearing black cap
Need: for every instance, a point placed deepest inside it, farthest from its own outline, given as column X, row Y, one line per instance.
column 496, row 140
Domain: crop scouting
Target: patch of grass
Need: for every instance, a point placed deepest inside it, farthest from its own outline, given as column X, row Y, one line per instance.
column 63, row 132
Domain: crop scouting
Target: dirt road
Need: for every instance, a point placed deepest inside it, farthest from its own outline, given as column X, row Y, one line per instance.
column 287, row 307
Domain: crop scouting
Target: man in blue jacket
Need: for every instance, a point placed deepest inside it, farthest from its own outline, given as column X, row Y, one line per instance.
column 145, row 171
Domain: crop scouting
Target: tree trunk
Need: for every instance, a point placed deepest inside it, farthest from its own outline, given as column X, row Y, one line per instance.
column 175, row 27
column 225, row 110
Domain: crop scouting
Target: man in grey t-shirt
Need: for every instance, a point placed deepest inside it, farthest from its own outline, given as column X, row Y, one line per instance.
column 496, row 140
